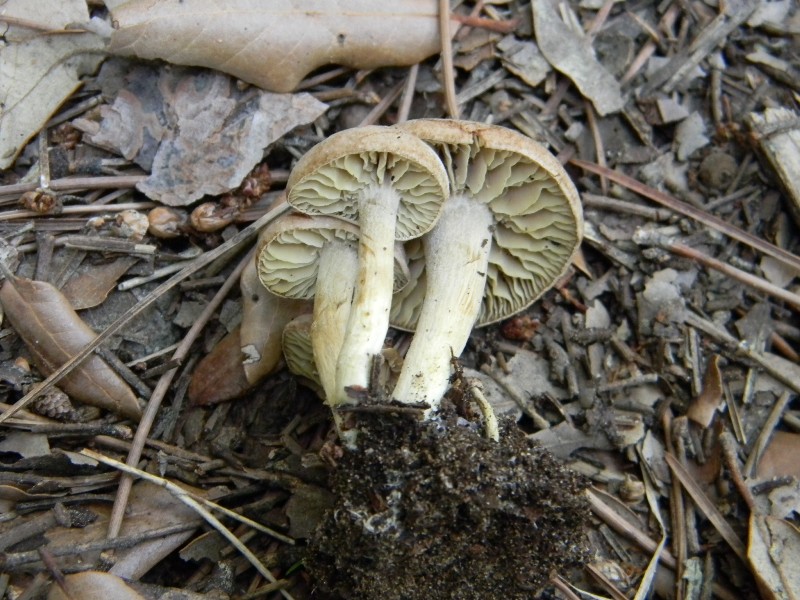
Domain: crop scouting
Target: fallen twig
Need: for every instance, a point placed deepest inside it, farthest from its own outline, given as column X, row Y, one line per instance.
column 690, row 211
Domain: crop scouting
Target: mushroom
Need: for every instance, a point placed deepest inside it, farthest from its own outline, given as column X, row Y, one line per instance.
column 303, row 257
column 298, row 352
column 506, row 234
column 392, row 185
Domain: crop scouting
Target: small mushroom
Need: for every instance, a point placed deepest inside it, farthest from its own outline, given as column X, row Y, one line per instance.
column 506, row 234
column 392, row 185
column 316, row 257
column 298, row 352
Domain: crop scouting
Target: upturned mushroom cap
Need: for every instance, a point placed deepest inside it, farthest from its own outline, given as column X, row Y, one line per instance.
column 537, row 210
column 287, row 256
column 288, row 251
column 328, row 179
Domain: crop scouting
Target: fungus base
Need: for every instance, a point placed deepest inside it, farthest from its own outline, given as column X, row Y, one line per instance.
column 434, row 510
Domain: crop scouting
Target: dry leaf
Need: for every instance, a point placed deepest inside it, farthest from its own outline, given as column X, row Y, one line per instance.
column 275, row 44
column 219, row 376
column 264, row 315
column 780, row 457
column 93, row 585
column 90, row 288
column 150, row 507
column 40, row 67
column 774, row 553
column 572, row 55
column 53, row 333
column 705, row 406
column 197, row 132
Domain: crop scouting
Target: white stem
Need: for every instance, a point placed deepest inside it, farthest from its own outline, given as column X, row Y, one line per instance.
column 336, row 282
column 456, row 260
column 369, row 315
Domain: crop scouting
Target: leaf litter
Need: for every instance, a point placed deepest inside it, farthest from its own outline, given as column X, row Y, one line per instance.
column 665, row 368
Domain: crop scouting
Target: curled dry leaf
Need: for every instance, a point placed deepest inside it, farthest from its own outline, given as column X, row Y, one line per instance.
column 53, row 333
column 277, row 43
column 93, row 585
column 219, row 376
column 704, row 407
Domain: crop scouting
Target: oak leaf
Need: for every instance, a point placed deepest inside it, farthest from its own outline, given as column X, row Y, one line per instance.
column 275, row 44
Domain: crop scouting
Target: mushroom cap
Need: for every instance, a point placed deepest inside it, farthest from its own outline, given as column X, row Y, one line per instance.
column 288, row 253
column 297, row 349
column 328, row 179
column 537, row 211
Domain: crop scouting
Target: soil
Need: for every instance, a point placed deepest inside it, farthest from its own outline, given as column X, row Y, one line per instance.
column 433, row 509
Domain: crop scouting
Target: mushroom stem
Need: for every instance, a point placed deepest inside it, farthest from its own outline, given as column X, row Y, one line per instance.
column 456, row 261
column 338, row 274
column 369, row 313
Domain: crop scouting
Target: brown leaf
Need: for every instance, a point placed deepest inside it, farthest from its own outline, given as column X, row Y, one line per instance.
column 219, row 376
column 280, row 41
column 705, row 406
column 93, row 585
column 53, row 333
column 90, row 289
column 780, row 457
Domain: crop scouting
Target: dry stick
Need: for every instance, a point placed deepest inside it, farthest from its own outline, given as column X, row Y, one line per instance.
column 179, row 493
column 677, row 508
column 68, row 184
column 408, row 94
column 707, row 507
column 448, row 71
column 652, row 237
column 690, row 211
column 766, row 433
column 14, row 560
column 237, row 240
column 149, row 416
column 504, row 26
column 765, row 362
column 611, row 518
column 382, row 106
column 729, row 450
column 10, row 215
column 756, row 282
column 196, row 505
column 599, row 150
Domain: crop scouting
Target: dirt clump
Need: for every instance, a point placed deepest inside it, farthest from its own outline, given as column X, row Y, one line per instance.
column 435, row 510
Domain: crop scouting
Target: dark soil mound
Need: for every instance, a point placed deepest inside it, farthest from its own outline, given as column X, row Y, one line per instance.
column 434, row 510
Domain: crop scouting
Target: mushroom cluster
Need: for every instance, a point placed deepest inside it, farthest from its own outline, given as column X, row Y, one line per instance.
column 490, row 220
